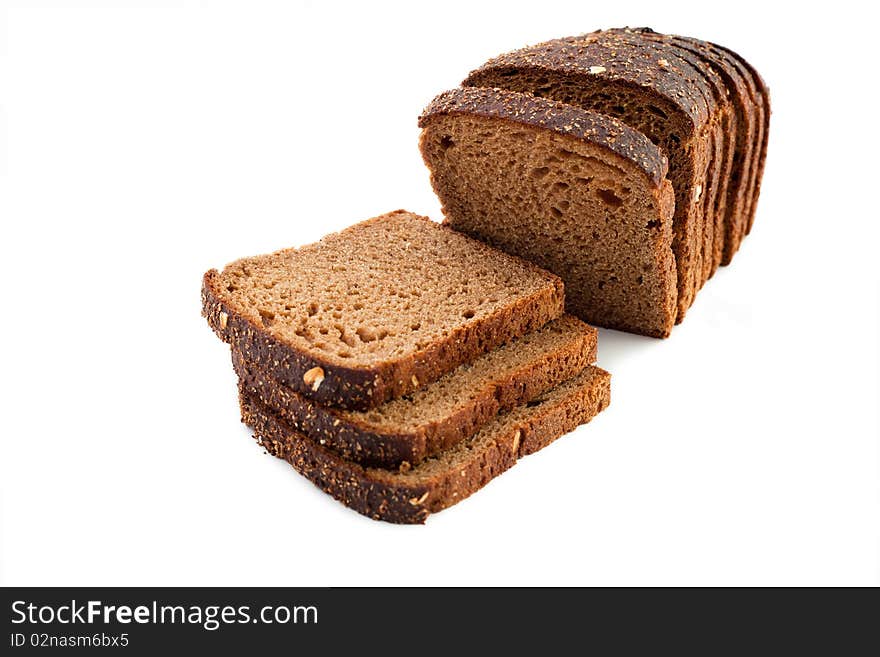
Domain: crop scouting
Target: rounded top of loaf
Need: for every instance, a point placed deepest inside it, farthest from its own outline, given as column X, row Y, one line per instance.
column 605, row 131
column 681, row 47
column 621, row 56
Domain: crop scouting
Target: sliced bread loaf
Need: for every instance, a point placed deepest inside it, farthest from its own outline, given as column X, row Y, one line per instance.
column 377, row 310
column 576, row 192
column 657, row 93
column 445, row 479
column 404, row 431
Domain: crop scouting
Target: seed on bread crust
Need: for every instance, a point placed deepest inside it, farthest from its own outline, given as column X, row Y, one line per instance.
column 314, row 378
column 597, row 69
column 224, row 320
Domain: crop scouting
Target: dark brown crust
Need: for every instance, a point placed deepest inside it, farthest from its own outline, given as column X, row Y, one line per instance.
column 364, row 388
column 357, row 440
column 619, row 60
column 396, row 498
column 604, row 131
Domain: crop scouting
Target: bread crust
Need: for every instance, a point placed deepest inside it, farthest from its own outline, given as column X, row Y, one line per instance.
column 614, row 58
column 361, row 388
column 355, row 438
column 407, row 498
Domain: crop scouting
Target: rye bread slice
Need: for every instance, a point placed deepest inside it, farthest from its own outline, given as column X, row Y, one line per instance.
column 576, row 192
column 621, row 75
column 404, row 431
column 449, row 477
column 377, row 310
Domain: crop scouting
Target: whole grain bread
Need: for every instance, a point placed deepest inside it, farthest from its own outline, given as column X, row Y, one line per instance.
column 661, row 95
column 445, row 479
column 406, row 430
column 377, row 310
column 576, row 192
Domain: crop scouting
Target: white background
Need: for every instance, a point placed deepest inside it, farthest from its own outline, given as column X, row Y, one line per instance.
column 147, row 142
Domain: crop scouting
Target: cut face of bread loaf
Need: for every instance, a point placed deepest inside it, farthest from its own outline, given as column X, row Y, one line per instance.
column 657, row 93
column 406, row 430
column 445, row 479
column 578, row 193
column 377, row 310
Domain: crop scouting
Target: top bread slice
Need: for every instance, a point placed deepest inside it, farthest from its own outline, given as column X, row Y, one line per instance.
column 660, row 94
column 576, row 192
column 377, row 310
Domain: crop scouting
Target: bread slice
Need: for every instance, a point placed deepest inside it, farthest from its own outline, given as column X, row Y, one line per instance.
column 406, row 430
column 377, row 310
column 660, row 95
column 449, row 477
column 576, row 192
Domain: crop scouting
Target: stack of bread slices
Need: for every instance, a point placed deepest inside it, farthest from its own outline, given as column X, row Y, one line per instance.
column 401, row 365
column 627, row 162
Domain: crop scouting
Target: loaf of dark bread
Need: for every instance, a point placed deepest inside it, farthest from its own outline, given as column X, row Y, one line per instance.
column 410, row 496
column 377, row 310
column 405, row 431
column 650, row 89
column 576, row 192
column 702, row 104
